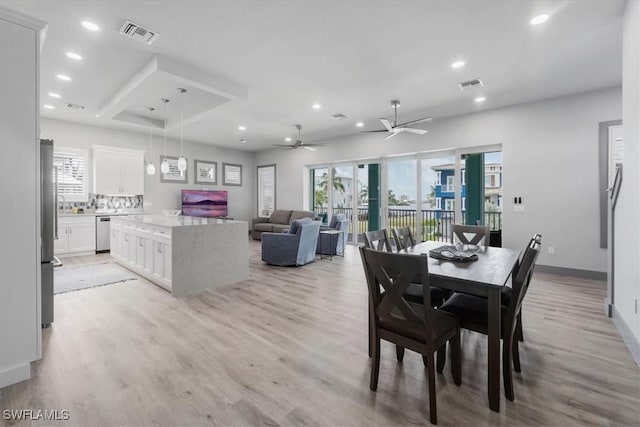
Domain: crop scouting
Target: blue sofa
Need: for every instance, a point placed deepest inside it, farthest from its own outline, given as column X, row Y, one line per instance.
column 338, row 222
column 297, row 246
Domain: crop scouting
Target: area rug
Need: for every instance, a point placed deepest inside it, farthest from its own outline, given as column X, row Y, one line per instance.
column 67, row 279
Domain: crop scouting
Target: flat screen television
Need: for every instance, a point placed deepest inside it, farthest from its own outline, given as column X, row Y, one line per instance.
column 204, row 203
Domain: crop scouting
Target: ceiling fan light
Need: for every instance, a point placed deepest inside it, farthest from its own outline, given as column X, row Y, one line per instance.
column 164, row 167
column 151, row 169
column 182, row 164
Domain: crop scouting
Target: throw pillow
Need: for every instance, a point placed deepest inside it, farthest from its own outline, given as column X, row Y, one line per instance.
column 280, row 217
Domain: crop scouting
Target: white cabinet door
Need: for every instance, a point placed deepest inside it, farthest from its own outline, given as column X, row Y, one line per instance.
column 127, row 240
column 61, row 244
column 167, row 262
column 148, row 255
column 132, row 178
column 115, row 242
column 141, row 253
column 158, row 259
column 107, row 172
column 82, row 237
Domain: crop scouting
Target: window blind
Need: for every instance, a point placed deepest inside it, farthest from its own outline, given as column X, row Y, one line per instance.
column 71, row 167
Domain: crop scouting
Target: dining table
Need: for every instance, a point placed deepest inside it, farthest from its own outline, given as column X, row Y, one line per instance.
column 484, row 277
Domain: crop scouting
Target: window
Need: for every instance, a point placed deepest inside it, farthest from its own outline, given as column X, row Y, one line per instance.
column 438, row 203
column 450, row 187
column 438, row 178
column 464, row 203
column 464, row 176
column 266, row 190
column 449, row 205
column 70, row 173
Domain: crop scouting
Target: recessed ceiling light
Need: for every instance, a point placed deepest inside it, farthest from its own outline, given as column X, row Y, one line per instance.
column 480, row 99
column 539, row 19
column 457, row 64
column 63, row 77
column 359, row 124
column 242, row 127
column 287, row 139
column 54, row 95
column 97, row 116
column 316, row 106
column 90, row 26
column 48, row 107
column 243, row 141
column 74, row 55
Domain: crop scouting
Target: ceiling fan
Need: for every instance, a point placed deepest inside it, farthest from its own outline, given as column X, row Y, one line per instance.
column 394, row 128
column 299, row 143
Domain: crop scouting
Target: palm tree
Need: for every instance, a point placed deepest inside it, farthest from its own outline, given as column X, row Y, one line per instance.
column 336, row 181
column 364, row 194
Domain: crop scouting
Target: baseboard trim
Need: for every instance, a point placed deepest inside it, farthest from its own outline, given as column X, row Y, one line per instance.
column 627, row 334
column 574, row 272
column 15, row 375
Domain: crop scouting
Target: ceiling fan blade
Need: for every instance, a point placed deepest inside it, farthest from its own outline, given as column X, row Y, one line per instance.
column 392, row 134
column 282, row 145
column 314, row 144
column 412, row 130
column 373, row 131
column 386, row 124
column 413, row 122
column 306, row 147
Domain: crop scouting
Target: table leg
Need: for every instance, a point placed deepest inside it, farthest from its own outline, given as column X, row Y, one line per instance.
column 493, row 348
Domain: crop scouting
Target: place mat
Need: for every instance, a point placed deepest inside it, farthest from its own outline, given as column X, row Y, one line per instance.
column 69, row 279
column 452, row 253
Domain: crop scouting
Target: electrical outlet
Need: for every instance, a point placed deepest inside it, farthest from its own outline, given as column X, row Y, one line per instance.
column 552, row 250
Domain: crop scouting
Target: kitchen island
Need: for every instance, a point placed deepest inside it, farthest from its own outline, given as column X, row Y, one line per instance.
column 182, row 254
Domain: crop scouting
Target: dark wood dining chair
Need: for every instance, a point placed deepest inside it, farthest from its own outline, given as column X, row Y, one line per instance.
column 505, row 297
column 403, row 238
column 377, row 240
column 470, row 234
column 418, row 327
column 473, row 314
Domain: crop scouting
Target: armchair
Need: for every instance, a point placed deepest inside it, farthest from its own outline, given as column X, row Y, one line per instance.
column 297, row 247
column 338, row 222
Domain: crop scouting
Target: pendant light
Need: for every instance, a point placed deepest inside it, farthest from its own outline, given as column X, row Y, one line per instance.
column 164, row 167
column 151, row 169
column 182, row 162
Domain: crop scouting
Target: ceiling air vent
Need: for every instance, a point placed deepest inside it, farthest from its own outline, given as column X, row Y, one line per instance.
column 469, row 84
column 339, row 116
column 137, row 32
column 76, row 107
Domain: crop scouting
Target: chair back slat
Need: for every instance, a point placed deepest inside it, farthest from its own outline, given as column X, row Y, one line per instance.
column 377, row 240
column 403, row 238
column 395, row 272
column 470, row 234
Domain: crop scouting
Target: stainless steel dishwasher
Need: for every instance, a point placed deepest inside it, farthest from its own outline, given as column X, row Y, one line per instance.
column 103, row 226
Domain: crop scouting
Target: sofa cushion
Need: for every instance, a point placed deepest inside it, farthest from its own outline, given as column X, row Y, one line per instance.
column 300, row 214
column 263, row 226
column 280, row 217
column 296, row 224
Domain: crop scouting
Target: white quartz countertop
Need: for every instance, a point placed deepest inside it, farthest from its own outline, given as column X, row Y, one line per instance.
column 177, row 221
column 78, row 215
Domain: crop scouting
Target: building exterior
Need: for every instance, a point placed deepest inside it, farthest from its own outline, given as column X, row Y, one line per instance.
column 445, row 187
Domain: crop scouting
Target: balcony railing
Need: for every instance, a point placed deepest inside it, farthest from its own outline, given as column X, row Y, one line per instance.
column 433, row 224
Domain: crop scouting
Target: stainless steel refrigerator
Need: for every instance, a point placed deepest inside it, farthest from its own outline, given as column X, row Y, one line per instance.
column 49, row 216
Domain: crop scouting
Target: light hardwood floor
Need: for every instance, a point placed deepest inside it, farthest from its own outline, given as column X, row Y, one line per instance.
column 289, row 347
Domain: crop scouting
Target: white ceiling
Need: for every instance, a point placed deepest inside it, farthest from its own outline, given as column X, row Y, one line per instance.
column 352, row 57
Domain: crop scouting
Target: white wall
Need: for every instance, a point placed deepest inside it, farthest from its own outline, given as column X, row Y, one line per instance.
column 162, row 195
column 627, row 236
column 550, row 155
